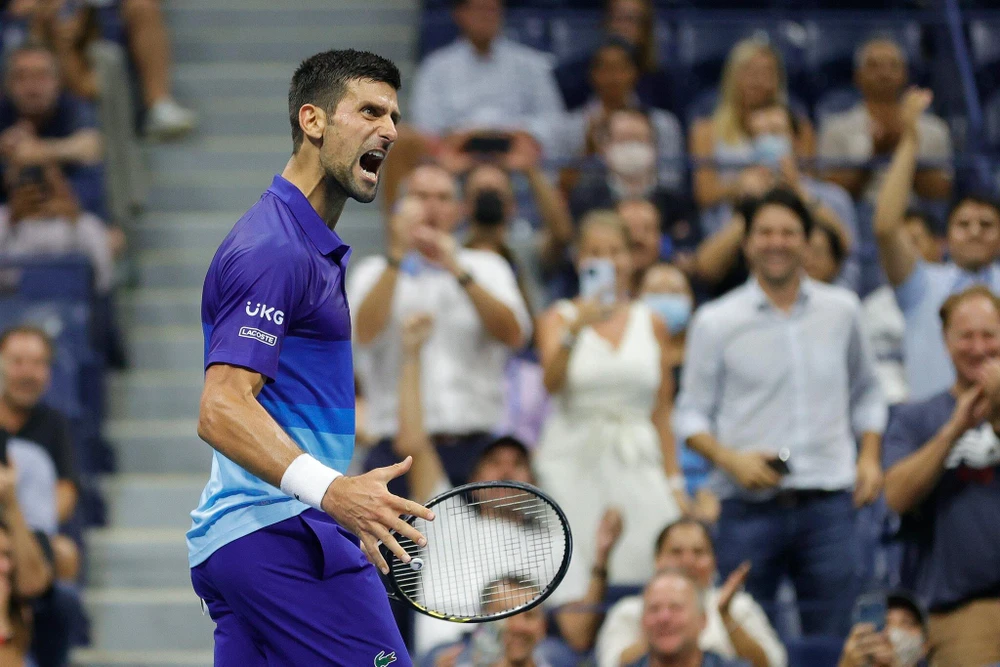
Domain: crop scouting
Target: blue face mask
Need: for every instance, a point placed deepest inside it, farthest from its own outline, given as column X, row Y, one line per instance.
column 769, row 149
column 674, row 309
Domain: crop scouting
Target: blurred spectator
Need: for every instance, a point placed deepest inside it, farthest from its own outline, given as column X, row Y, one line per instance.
column 642, row 219
column 902, row 643
column 15, row 617
column 921, row 287
column 778, row 370
column 827, row 253
column 634, row 22
column 495, row 227
column 479, row 319
column 673, row 618
column 942, row 457
column 614, row 71
column 42, row 124
column 875, row 126
column 43, row 218
column 33, row 576
column 885, row 325
column 526, row 403
column 607, row 442
column 736, row 626
column 722, row 145
column 773, row 128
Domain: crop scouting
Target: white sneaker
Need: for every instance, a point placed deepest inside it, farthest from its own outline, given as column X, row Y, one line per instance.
column 168, row 120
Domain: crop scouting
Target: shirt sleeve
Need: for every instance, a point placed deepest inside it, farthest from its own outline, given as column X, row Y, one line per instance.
column 868, row 408
column 698, row 399
column 831, row 143
column 935, row 143
column 901, row 437
column 258, row 290
column 619, row 631
column 493, row 274
column 754, row 621
column 913, row 290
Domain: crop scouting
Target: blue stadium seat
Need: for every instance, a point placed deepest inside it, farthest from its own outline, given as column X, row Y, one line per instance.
column 984, row 44
column 65, row 278
column 991, row 121
column 837, row 100
column 814, row 651
column 528, row 26
column 575, row 34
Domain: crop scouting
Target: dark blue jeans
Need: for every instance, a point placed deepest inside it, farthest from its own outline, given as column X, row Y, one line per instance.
column 810, row 538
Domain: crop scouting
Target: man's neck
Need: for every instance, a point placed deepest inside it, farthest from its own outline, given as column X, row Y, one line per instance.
column 691, row 658
column 782, row 295
column 324, row 193
column 12, row 418
column 482, row 48
column 971, row 267
column 881, row 105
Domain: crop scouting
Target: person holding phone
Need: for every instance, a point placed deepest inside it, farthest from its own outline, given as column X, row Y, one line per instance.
column 890, row 630
column 607, row 442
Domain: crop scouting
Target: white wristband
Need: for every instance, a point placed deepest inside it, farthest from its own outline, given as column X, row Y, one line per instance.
column 307, row 480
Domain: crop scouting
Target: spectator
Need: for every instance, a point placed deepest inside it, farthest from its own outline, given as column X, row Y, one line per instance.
column 649, row 245
column 42, row 124
column 885, row 325
column 973, row 245
column 42, row 217
column 614, row 71
column 736, row 625
column 942, row 458
column 634, row 22
column 607, row 442
column 875, row 126
column 826, row 254
column 495, row 227
column 902, row 643
column 780, row 367
column 673, row 618
column 15, row 619
column 479, row 315
column 483, row 84
column 718, row 262
column 722, row 145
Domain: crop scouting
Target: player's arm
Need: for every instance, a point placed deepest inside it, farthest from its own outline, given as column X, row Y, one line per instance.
column 234, row 423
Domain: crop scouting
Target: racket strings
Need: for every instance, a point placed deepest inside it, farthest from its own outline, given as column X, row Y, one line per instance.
column 489, row 551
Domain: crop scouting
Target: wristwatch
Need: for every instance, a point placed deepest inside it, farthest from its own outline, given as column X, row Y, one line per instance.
column 394, row 262
column 465, row 279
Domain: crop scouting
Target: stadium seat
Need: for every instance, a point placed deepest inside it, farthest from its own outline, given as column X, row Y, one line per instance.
column 984, row 45
column 528, row 26
column 814, row 651
column 575, row 34
column 991, row 121
column 64, row 278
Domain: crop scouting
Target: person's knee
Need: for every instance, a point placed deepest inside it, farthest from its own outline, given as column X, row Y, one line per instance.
column 66, row 557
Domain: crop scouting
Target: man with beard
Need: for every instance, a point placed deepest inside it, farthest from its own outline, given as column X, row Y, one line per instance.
column 279, row 541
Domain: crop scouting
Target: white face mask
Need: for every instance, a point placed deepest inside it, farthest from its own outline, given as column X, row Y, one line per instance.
column 907, row 646
column 631, row 158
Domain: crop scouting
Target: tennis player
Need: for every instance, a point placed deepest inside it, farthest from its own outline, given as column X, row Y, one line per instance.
column 281, row 541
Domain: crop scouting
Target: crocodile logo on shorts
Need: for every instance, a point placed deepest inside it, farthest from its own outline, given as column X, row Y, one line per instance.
column 383, row 659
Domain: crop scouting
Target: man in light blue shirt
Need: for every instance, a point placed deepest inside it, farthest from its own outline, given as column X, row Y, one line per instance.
column 484, row 81
column 779, row 371
column 921, row 286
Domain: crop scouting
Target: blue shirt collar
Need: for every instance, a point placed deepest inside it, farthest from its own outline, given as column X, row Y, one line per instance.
column 761, row 302
column 325, row 239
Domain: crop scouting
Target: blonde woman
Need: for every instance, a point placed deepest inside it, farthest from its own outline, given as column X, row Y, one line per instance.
column 728, row 164
column 607, row 443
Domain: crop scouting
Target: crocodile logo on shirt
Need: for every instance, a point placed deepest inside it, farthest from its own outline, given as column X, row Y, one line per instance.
column 383, row 659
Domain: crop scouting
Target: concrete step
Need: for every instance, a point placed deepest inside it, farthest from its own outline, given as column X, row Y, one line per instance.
column 143, row 619
column 253, row 115
column 202, row 81
column 210, row 189
column 166, row 348
column 92, row 657
column 174, row 275
column 137, row 558
column 158, row 445
column 183, row 230
column 161, row 307
column 152, row 501
column 221, row 153
column 294, row 14
column 156, row 394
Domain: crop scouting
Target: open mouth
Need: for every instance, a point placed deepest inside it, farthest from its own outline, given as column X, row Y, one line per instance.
column 370, row 163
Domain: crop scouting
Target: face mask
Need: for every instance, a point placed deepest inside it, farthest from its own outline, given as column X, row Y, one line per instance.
column 488, row 209
column 631, row 158
column 769, row 149
column 907, row 646
column 674, row 309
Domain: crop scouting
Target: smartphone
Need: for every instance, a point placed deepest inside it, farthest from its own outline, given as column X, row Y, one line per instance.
column 780, row 462
column 870, row 608
column 487, row 143
column 597, row 280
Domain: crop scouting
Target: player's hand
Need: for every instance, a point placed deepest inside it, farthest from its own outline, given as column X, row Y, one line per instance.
column 750, row 469
column 363, row 505
column 868, row 483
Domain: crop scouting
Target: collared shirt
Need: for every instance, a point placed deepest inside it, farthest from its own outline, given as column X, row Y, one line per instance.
column 274, row 303
column 463, row 379
column 928, row 367
column 886, row 328
column 36, row 484
column 759, row 379
column 512, row 88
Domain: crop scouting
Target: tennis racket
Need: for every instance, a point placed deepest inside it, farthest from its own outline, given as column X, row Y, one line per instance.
column 494, row 549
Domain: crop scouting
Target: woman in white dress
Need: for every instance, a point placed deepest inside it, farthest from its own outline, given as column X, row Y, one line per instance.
column 607, row 443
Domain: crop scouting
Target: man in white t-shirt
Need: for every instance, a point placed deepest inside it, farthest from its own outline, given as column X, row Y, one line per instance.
column 479, row 316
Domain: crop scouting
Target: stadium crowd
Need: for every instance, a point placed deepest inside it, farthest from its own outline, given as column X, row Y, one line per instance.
column 71, row 184
column 727, row 335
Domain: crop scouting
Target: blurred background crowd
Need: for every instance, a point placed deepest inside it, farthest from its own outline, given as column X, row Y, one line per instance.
column 721, row 281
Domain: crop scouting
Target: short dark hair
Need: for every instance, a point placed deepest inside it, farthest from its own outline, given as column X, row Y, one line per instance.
column 322, row 80
column 779, row 196
column 661, row 539
column 29, row 330
column 955, row 300
column 30, row 46
column 833, row 237
column 984, row 198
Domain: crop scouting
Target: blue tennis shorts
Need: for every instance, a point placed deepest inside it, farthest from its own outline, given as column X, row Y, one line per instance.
column 299, row 592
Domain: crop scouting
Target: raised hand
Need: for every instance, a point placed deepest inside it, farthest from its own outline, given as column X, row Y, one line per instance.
column 408, row 216
column 416, row 331
column 970, row 409
column 608, row 533
column 524, row 153
column 363, row 505
column 436, row 246
column 734, row 583
column 914, row 103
